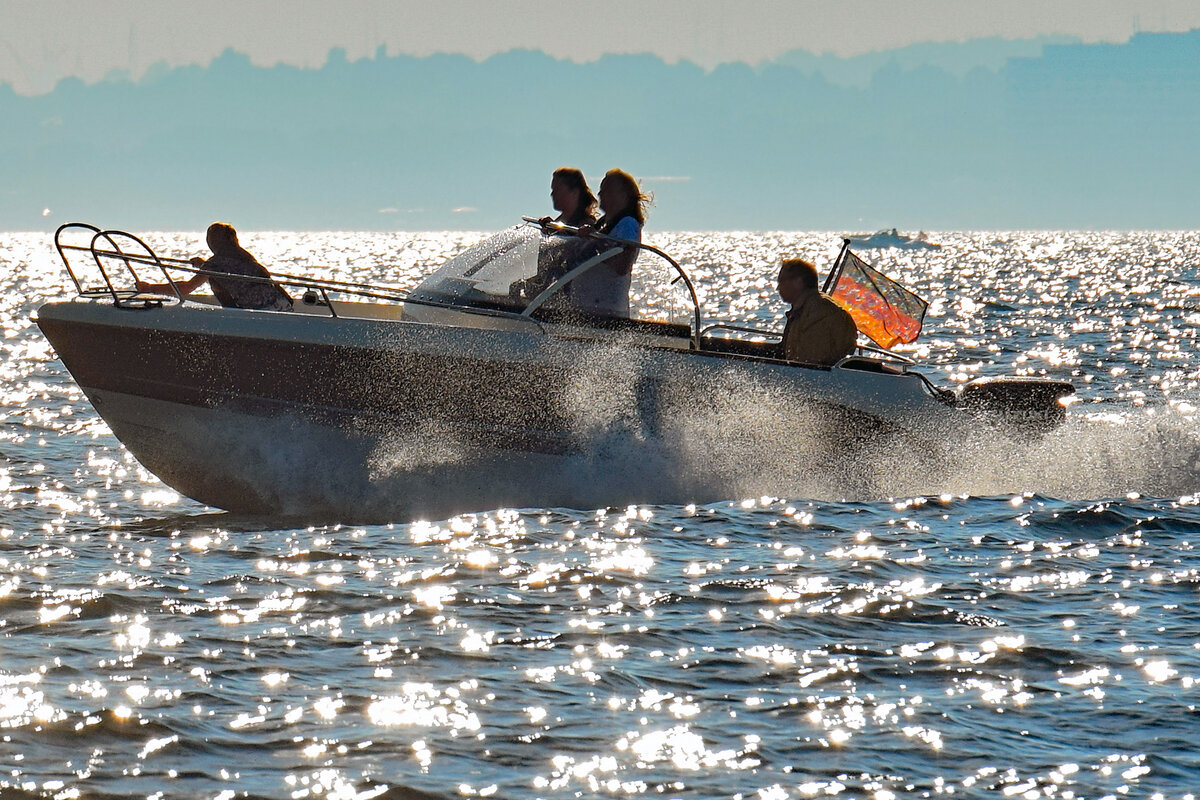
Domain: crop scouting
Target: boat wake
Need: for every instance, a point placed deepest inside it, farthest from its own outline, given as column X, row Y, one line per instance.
column 1150, row 452
column 733, row 439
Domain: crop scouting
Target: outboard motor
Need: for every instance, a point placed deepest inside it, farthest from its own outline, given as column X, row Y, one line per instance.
column 1023, row 405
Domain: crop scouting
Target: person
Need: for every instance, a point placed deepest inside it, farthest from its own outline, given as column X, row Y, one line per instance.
column 571, row 196
column 229, row 259
column 604, row 289
column 818, row 330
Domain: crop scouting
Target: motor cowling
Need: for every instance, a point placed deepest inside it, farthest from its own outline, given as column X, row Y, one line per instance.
column 1024, row 405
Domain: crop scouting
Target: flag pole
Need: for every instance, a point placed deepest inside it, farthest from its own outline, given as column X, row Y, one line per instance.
column 832, row 278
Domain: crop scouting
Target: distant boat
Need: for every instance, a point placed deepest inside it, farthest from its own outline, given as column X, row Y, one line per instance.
column 892, row 238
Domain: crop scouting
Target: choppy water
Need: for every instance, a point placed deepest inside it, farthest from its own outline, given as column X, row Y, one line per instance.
column 1025, row 627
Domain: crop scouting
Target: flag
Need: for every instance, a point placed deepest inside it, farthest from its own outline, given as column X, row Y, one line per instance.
column 884, row 310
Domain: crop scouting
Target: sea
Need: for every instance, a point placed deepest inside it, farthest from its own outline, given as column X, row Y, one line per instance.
column 1020, row 625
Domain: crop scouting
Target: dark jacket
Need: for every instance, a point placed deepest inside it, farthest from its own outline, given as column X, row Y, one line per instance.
column 818, row 331
column 235, row 293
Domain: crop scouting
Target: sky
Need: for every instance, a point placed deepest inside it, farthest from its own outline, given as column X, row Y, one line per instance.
column 759, row 114
column 44, row 42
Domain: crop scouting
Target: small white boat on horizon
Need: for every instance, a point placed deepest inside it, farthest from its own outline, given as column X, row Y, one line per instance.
column 886, row 238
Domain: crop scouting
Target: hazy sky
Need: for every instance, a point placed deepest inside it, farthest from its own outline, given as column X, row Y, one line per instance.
column 42, row 42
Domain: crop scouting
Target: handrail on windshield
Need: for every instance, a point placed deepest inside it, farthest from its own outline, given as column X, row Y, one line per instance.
column 569, row 229
column 570, row 275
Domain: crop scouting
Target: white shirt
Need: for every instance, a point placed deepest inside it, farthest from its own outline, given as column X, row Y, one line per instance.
column 603, row 290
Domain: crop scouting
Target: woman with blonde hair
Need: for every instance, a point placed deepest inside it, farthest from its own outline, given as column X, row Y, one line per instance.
column 605, row 288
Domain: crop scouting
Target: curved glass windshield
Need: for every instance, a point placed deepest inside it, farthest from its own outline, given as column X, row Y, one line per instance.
column 505, row 271
column 522, row 270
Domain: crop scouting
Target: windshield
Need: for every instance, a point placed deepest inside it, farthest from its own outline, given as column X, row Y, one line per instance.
column 506, row 271
column 526, row 270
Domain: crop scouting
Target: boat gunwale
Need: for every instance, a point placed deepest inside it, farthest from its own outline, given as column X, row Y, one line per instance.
column 323, row 286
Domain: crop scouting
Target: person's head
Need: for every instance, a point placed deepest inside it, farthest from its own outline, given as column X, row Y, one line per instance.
column 620, row 195
column 796, row 278
column 222, row 238
column 569, row 192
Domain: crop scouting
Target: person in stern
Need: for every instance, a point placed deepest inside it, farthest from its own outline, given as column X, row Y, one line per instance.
column 232, row 265
column 818, row 330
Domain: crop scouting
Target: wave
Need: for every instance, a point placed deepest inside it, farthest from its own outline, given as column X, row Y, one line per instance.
column 749, row 446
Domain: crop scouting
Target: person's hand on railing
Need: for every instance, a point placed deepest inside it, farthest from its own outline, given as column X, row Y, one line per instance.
column 172, row 286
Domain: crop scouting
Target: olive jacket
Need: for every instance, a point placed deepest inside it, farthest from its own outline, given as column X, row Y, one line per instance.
column 818, row 331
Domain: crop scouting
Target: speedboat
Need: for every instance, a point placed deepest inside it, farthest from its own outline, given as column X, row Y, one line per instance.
column 485, row 387
column 884, row 239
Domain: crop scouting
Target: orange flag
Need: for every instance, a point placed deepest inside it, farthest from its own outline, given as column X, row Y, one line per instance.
column 884, row 310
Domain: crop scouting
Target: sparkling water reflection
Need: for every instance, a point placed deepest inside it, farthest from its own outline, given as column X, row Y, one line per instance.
column 1027, row 633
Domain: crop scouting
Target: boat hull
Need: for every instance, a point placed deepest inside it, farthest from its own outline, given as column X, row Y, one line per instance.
column 359, row 418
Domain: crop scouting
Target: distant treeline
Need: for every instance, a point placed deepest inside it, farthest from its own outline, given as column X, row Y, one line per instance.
column 1080, row 136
